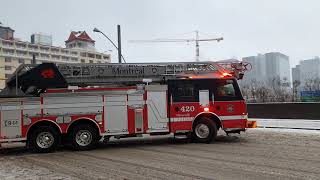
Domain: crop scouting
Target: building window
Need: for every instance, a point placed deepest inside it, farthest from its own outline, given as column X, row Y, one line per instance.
column 21, row 53
column 54, row 50
column 21, row 61
column 7, row 59
column 65, row 52
column 98, row 56
column 74, row 53
column 7, row 76
column 83, row 61
column 91, row 61
column 7, row 67
column 83, row 54
column 90, row 55
column 74, row 59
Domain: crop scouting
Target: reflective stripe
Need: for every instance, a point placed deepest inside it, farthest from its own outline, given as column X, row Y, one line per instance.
column 236, row 117
column 182, row 119
column 223, row 118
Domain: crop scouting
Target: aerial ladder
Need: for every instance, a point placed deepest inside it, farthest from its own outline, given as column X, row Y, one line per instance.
column 32, row 80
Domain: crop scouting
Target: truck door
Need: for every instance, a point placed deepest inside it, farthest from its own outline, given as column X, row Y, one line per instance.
column 184, row 103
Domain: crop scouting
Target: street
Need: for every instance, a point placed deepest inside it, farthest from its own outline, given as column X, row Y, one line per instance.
column 256, row 154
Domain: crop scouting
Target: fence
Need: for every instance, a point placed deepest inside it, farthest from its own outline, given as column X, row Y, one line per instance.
column 284, row 110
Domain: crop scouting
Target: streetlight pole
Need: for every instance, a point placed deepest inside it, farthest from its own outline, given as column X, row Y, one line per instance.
column 119, row 36
column 119, row 43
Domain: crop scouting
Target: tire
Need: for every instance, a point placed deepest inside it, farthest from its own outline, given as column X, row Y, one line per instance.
column 204, row 131
column 44, row 139
column 83, row 137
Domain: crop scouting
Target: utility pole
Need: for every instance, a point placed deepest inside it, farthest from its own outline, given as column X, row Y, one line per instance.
column 119, row 43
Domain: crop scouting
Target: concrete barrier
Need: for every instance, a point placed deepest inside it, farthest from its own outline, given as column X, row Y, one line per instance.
column 284, row 110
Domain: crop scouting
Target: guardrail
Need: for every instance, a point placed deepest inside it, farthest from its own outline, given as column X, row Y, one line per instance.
column 287, row 110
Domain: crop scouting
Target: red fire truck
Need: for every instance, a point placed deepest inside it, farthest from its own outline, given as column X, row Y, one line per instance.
column 50, row 104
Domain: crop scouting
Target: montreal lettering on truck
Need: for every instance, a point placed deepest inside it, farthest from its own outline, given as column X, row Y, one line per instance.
column 128, row 71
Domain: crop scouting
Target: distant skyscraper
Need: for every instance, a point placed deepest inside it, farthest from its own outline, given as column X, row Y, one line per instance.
column 277, row 66
column 42, row 39
column 296, row 74
column 309, row 69
column 258, row 71
column 269, row 66
column 6, row 32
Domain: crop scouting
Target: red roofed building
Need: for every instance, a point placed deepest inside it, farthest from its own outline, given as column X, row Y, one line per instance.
column 80, row 39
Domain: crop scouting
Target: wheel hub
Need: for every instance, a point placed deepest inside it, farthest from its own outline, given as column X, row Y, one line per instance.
column 45, row 140
column 83, row 137
column 202, row 131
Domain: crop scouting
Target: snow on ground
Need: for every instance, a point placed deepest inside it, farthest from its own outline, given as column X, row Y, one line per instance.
column 12, row 168
column 288, row 123
column 285, row 130
column 261, row 153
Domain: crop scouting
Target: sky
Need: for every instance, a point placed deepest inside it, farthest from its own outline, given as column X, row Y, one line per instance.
column 248, row 27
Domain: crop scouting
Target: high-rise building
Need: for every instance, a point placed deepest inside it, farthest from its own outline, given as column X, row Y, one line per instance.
column 277, row 67
column 309, row 69
column 296, row 74
column 14, row 53
column 268, row 67
column 258, row 71
column 42, row 39
column 6, row 32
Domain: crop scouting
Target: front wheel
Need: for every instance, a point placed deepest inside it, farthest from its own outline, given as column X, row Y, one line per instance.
column 44, row 139
column 204, row 130
column 84, row 137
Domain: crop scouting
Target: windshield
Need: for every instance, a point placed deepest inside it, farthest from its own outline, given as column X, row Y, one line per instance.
column 226, row 90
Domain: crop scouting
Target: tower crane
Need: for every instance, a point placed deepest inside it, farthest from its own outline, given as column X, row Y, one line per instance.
column 196, row 40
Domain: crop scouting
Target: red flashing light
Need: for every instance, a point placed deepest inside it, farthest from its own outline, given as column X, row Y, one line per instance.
column 206, row 109
column 226, row 74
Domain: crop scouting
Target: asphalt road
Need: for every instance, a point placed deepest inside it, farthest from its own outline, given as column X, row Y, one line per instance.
column 256, row 154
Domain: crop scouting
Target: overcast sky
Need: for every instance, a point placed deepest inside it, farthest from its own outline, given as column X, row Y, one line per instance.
column 248, row 26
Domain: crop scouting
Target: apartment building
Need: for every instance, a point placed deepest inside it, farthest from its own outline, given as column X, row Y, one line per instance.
column 13, row 53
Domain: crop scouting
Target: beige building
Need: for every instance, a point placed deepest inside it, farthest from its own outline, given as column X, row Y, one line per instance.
column 80, row 50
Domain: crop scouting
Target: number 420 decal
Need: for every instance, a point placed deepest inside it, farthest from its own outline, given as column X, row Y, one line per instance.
column 187, row 109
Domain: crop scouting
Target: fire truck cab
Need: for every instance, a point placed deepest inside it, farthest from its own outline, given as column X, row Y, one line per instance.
column 78, row 105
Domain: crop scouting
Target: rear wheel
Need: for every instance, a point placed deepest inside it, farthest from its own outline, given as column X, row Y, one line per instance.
column 84, row 137
column 44, row 139
column 204, row 130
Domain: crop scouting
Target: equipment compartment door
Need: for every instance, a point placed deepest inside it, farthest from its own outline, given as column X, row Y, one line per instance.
column 157, row 108
column 116, row 119
column 10, row 120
